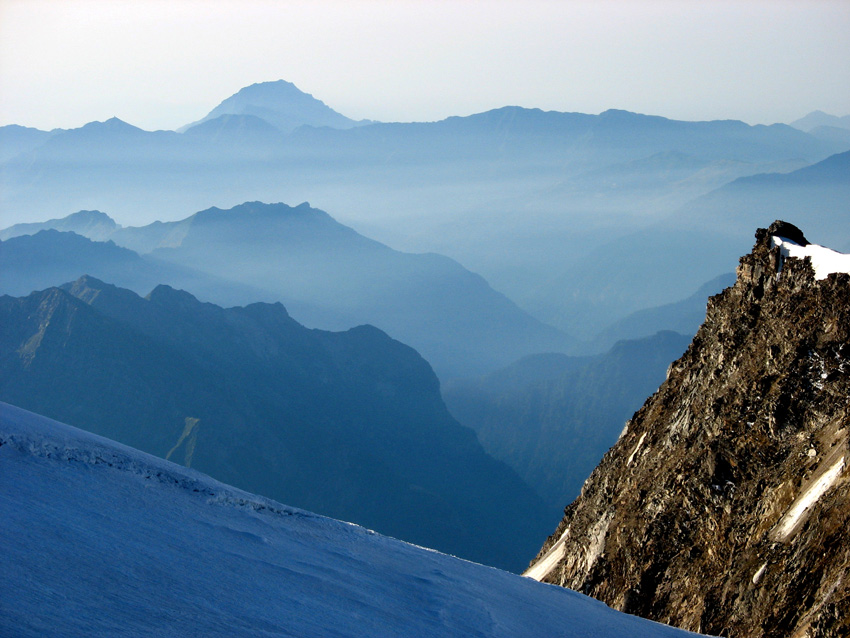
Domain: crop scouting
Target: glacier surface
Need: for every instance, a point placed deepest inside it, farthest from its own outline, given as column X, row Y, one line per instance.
column 100, row 539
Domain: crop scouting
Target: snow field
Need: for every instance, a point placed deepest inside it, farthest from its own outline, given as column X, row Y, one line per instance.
column 102, row 540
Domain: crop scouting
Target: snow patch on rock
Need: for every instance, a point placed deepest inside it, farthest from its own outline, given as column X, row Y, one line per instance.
column 808, row 497
column 824, row 260
column 541, row 568
column 635, row 451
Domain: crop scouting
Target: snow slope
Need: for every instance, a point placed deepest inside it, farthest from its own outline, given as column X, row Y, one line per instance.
column 103, row 540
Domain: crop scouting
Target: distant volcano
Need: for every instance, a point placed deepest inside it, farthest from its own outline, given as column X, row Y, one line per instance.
column 282, row 105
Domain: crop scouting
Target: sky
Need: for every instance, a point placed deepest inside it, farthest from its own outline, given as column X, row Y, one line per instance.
column 160, row 64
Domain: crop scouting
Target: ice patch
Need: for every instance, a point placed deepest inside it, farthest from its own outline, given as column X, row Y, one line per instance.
column 541, row 568
column 806, row 499
column 824, row 260
column 635, row 451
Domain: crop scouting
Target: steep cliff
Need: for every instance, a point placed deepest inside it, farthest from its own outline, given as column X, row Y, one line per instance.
column 724, row 506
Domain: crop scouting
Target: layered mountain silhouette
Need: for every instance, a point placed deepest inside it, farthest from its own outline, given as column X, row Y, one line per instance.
column 93, row 224
column 346, row 424
column 281, row 104
column 525, row 197
column 822, row 189
column 684, row 317
column 670, row 259
column 39, row 261
column 328, row 275
column 517, row 153
column 241, row 137
column 15, row 140
column 661, row 182
column 551, row 417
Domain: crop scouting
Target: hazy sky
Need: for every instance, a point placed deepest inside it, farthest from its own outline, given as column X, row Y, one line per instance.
column 163, row 63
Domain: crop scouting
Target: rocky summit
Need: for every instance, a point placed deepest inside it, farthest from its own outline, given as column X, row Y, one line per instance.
column 725, row 504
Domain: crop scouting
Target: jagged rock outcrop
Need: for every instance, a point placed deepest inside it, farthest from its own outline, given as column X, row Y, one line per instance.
column 724, row 507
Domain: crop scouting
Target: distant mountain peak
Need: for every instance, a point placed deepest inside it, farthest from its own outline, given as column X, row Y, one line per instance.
column 166, row 295
column 818, row 118
column 87, row 288
column 113, row 124
column 275, row 210
column 89, row 223
column 618, row 113
column 92, row 216
column 281, row 104
column 272, row 89
column 88, row 285
column 623, row 114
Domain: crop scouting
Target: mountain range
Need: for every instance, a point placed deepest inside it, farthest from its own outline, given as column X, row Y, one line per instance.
column 720, row 507
column 522, row 196
column 50, row 257
column 328, row 275
column 531, row 412
column 520, row 154
column 671, row 258
column 348, row 424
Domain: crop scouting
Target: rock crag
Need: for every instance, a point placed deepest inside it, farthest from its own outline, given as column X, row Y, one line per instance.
column 725, row 504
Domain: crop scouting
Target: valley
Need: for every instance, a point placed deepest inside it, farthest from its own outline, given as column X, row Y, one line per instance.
column 280, row 370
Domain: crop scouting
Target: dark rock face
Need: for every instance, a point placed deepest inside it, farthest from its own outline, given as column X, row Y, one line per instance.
column 725, row 505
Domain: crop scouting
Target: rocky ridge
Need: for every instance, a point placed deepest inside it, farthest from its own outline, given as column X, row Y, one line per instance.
column 723, row 507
